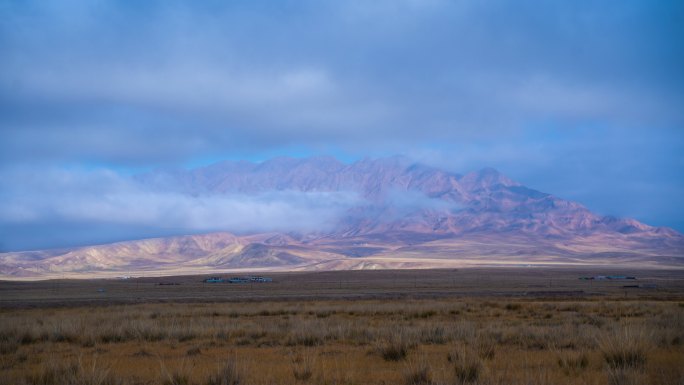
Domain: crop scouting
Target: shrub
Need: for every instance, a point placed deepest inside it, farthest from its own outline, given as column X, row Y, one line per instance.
column 572, row 362
column 425, row 314
column 434, row 335
column 304, row 340
column 177, row 378
column 181, row 374
column 8, row 346
column 467, row 365
column 394, row 346
column 418, row 373
column 54, row 372
column 302, row 365
column 306, row 334
column 194, row 351
column 486, row 347
column 625, row 348
column 227, row 374
column 625, row 376
column 393, row 350
column 27, row 338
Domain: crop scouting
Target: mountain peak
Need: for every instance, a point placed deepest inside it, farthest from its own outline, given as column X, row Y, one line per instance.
column 488, row 171
column 486, row 178
column 390, row 161
column 422, row 193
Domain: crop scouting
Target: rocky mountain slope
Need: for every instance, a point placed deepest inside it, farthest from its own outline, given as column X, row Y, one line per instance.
column 403, row 196
column 404, row 215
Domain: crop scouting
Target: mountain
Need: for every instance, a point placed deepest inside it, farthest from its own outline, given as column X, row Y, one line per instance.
column 405, row 214
column 483, row 200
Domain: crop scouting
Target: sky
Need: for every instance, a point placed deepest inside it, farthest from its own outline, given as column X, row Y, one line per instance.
column 582, row 99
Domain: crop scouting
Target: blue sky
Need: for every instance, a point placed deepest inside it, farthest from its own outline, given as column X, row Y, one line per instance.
column 582, row 99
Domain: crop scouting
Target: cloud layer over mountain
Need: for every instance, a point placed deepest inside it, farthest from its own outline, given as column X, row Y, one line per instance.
column 105, row 207
column 316, row 197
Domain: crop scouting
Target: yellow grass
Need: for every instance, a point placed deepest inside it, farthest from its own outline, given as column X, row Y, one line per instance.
column 445, row 341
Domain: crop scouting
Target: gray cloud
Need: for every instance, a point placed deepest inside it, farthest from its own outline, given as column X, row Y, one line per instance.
column 216, row 78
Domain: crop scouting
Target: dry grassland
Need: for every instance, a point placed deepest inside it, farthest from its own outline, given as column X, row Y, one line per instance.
column 605, row 339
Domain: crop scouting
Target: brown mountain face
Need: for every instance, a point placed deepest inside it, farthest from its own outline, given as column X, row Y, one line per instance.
column 406, row 215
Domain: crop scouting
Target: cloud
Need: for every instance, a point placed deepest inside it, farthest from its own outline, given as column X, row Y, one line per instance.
column 107, row 199
column 190, row 80
column 407, row 202
column 86, row 206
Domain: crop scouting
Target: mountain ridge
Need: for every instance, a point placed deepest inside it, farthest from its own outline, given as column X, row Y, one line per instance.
column 402, row 207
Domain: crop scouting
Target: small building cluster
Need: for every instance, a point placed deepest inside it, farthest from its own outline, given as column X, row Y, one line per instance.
column 247, row 279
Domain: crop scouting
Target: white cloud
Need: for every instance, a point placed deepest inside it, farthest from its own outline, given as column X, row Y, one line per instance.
column 105, row 197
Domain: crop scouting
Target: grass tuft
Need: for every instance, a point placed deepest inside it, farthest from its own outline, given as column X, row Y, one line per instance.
column 227, row 374
column 303, row 365
column 625, row 348
column 572, row 362
column 393, row 351
column 467, row 365
column 418, row 373
column 74, row 372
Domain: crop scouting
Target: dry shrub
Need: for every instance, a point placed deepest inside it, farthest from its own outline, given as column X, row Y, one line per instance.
column 9, row 343
column 626, row 347
column 625, row 376
column 177, row 378
column 359, row 333
column 393, row 350
column 433, row 335
column 304, row 339
column 56, row 372
column 418, row 372
column 194, row 351
column 572, row 361
column 147, row 332
column 467, row 365
column 115, row 333
column 485, row 346
column 27, row 337
column 464, row 331
column 181, row 374
column 227, row 374
column 395, row 345
column 529, row 337
column 303, row 365
column 307, row 334
column 423, row 314
column 66, row 332
column 142, row 353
